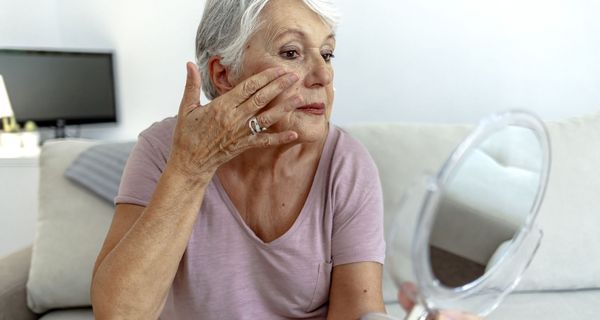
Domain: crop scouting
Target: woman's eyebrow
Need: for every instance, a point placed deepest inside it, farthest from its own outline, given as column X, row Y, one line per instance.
column 286, row 31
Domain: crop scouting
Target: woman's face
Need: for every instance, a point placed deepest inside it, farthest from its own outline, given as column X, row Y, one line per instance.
column 294, row 37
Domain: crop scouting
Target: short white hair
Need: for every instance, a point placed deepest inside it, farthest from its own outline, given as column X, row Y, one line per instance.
column 226, row 27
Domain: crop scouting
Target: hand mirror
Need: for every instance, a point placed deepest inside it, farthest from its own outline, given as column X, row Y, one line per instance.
column 473, row 232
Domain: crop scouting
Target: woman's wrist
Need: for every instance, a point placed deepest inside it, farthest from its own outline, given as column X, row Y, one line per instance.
column 178, row 189
column 199, row 177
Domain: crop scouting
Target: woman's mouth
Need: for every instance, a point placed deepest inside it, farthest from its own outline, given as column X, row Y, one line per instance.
column 313, row 108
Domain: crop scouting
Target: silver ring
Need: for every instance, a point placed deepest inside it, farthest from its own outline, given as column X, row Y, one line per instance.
column 255, row 127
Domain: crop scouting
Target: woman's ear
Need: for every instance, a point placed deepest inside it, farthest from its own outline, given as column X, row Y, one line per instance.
column 219, row 75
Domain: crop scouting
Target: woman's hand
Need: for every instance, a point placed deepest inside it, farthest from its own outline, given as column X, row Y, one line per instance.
column 207, row 136
column 407, row 295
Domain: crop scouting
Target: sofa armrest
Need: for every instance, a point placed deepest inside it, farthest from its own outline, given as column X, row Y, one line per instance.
column 14, row 270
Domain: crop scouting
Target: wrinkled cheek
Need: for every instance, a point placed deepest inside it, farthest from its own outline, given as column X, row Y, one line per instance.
column 269, row 61
column 330, row 101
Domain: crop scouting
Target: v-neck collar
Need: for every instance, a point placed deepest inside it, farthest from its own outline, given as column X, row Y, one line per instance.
column 319, row 175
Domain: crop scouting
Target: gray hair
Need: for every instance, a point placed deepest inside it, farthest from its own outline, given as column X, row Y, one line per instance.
column 227, row 25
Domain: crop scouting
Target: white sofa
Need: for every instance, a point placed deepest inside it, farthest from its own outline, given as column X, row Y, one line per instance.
column 52, row 280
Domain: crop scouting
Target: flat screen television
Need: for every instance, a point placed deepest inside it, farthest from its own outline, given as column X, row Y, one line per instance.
column 58, row 88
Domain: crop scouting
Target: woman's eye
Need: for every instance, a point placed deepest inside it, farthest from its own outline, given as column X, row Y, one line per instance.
column 327, row 56
column 289, row 54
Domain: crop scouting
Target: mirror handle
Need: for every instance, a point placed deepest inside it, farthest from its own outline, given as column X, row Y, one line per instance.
column 418, row 312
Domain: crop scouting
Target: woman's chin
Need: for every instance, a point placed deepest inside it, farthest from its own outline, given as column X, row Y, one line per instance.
column 310, row 128
column 313, row 132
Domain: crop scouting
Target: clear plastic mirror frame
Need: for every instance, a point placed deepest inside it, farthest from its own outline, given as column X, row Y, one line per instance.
column 484, row 294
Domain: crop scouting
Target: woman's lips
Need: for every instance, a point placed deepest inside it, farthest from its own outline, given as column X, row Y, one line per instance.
column 313, row 108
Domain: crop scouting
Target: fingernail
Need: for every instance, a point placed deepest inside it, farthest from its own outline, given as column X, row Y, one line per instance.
column 292, row 136
column 280, row 71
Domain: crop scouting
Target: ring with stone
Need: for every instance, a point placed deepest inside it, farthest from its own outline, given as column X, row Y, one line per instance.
column 255, row 127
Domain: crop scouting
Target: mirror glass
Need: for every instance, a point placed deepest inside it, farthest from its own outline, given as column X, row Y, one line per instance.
column 483, row 203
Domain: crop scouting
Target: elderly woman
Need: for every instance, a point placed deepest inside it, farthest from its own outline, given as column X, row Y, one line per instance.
column 252, row 206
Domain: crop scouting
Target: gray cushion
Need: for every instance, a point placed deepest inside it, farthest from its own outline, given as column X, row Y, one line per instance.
column 99, row 168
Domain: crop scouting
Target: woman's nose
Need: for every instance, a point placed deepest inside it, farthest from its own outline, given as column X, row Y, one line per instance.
column 319, row 73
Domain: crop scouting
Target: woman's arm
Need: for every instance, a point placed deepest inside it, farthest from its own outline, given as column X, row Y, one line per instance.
column 140, row 257
column 355, row 290
column 142, row 251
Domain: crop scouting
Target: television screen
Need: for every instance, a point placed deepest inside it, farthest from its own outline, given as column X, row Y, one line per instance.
column 51, row 87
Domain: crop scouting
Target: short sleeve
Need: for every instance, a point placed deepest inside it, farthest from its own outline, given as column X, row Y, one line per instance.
column 142, row 171
column 357, row 234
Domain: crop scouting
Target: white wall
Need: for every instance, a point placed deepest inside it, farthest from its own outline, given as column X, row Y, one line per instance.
column 454, row 61
column 404, row 60
column 28, row 23
column 152, row 41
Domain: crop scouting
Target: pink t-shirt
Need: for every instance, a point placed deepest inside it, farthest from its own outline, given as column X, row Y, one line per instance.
column 227, row 272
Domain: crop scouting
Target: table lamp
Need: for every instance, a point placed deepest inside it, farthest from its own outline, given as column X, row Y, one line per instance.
column 6, row 112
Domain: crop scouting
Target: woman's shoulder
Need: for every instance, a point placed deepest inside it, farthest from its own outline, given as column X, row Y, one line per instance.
column 347, row 147
column 350, row 159
column 160, row 133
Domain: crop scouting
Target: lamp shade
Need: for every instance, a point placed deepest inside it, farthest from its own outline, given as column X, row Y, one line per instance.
column 5, row 107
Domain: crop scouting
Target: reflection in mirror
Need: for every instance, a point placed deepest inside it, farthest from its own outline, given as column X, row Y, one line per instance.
column 484, row 204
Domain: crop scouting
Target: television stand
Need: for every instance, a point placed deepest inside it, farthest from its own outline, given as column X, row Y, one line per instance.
column 59, row 130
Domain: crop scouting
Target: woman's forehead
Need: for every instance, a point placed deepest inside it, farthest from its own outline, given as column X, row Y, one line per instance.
column 298, row 20
column 307, row 34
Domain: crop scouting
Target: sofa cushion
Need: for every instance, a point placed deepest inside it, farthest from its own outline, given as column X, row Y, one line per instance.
column 549, row 305
column 69, row 314
column 568, row 257
column 577, row 304
column 13, row 277
column 71, row 227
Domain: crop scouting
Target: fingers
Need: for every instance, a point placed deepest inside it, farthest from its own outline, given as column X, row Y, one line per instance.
column 456, row 315
column 272, row 116
column 191, row 93
column 267, row 93
column 407, row 295
column 266, row 140
column 252, row 85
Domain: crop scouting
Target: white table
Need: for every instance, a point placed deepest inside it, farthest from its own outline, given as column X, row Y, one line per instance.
column 19, row 175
